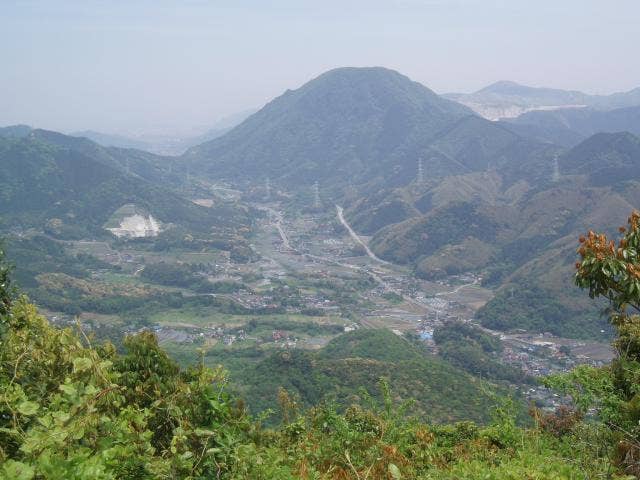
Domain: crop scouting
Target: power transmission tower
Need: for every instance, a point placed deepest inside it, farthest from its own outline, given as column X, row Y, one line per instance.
column 490, row 169
column 316, row 195
column 420, row 172
column 555, row 176
column 267, row 187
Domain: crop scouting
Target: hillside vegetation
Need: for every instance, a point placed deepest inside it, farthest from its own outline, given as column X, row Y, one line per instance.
column 492, row 198
column 570, row 126
column 74, row 409
column 72, row 191
column 487, row 194
column 348, row 123
column 519, row 236
column 353, row 363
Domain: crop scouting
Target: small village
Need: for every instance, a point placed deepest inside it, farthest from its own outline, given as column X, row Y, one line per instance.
column 302, row 262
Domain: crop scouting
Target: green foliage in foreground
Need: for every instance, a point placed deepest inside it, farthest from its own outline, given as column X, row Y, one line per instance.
column 5, row 284
column 611, row 269
column 70, row 410
column 73, row 410
column 350, row 367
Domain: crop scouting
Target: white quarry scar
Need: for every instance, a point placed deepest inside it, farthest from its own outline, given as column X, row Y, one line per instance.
column 137, row 226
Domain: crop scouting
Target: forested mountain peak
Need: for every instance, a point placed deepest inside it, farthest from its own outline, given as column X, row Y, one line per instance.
column 607, row 140
column 15, row 131
column 346, row 123
column 375, row 87
column 507, row 99
column 507, row 87
column 606, row 157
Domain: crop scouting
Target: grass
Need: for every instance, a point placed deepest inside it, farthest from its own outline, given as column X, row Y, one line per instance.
column 233, row 358
column 120, row 278
column 209, row 316
column 173, row 256
column 183, row 353
column 99, row 249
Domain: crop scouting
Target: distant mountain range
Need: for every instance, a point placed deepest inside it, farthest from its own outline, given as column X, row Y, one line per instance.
column 366, row 129
column 16, row 131
column 568, row 127
column 112, row 140
column 506, row 99
column 435, row 185
column 522, row 234
column 165, row 144
column 499, row 197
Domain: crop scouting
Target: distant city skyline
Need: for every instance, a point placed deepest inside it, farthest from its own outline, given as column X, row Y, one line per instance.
column 178, row 67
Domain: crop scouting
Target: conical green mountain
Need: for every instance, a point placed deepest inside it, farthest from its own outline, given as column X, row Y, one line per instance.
column 347, row 124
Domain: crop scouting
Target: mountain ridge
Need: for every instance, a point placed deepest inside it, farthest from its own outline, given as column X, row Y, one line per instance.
column 508, row 99
column 570, row 126
column 348, row 121
column 48, row 176
column 481, row 222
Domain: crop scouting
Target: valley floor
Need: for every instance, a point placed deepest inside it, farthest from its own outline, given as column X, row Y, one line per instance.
column 314, row 269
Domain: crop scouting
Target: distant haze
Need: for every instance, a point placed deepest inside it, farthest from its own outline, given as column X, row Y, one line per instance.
column 157, row 66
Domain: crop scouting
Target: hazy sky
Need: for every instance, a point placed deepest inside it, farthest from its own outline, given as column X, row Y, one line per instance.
column 158, row 65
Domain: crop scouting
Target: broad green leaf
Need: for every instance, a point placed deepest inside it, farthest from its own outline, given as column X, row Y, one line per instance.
column 28, row 408
column 17, row 470
column 61, row 417
column 81, row 364
column 68, row 389
column 395, row 471
column 105, row 364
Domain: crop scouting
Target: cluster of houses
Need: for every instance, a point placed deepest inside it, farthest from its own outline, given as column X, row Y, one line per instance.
column 543, row 354
column 284, row 340
column 321, row 303
column 193, row 335
column 545, row 398
column 252, row 300
column 526, row 361
column 230, row 338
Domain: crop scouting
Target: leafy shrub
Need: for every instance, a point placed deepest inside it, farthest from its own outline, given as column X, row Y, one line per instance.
column 560, row 422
